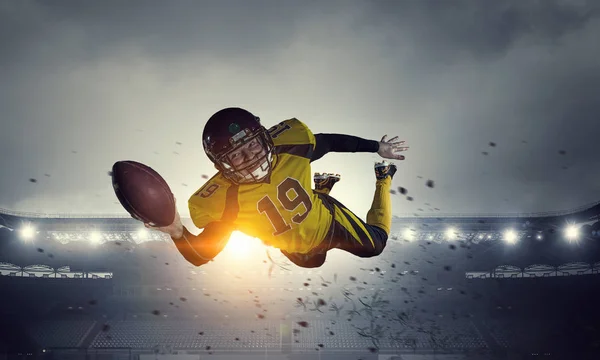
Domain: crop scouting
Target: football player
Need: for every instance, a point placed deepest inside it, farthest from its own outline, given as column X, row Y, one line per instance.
column 263, row 189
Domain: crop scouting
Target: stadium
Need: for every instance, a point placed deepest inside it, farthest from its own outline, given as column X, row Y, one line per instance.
column 446, row 287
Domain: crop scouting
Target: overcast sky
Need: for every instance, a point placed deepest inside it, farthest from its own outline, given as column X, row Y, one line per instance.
column 86, row 83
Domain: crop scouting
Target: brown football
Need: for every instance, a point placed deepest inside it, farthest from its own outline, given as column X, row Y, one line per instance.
column 143, row 193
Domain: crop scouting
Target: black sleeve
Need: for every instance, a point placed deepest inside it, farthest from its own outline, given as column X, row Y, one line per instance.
column 341, row 143
column 202, row 248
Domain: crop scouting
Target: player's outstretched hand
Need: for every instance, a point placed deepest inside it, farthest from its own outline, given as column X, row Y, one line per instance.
column 175, row 230
column 390, row 149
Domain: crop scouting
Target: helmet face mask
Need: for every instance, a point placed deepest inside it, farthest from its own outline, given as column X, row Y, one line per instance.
column 248, row 162
column 239, row 146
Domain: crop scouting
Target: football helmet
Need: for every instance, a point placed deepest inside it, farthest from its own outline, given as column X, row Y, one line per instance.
column 231, row 129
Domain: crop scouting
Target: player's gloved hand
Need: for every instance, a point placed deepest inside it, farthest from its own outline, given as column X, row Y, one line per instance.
column 175, row 230
column 391, row 148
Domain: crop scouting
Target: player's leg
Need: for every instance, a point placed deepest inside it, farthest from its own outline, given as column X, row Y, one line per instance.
column 366, row 239
column 306, row 261
column 380, row 214
column 324, row 182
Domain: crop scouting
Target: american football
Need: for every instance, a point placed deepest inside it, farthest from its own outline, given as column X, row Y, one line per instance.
column 143, row 193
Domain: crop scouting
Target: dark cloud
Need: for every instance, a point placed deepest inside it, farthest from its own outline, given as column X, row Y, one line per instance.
column 114, row 80
column 452, row 31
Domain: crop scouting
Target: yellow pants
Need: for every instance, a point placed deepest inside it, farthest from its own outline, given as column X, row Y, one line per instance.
column 379, row 216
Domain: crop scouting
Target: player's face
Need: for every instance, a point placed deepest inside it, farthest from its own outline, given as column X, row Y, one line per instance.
column 246, row 154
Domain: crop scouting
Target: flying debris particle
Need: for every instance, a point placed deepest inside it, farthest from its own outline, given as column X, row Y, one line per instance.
column 182, row 299
column 377, row 269
column 166, row 263
column 402, row 190
column 392, row 191
column 183, row 184
column 372, row 349
column 331, row 333
column 448, row 268
column 419, row 177
column 306, row 284
column 260, row 316
column 73, row 151
column 237, row 339
column 304, row 324
column 200, row 332
column 32, row 180
column 105, row 327
column 40, row 250
column 47, row 175
column 207, row 347
column 178, row 143
column 204, row 176
column 429, row 183
column 562, row 152
column 452, row 247
column 110, row 173
column 393, row 266
column 409, row 198
column 492, row 144
column 155, row 312
column 175, row 152
column 352, row 278
column 92, row 302
column 51, row 256
column 320, row 345
column 485, row 153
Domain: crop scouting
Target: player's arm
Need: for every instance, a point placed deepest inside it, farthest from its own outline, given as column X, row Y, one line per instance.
column 202, row 248
column 326, row 143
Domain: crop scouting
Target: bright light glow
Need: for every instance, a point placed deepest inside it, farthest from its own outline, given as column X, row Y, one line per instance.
column 539, row 236
column 510, row 236
column 480, row 236
column 407, row 234
column 240, row 245
column 95, row 237
column 142, row 234
column 451, row 234
column 572, row 232
column 27, row 232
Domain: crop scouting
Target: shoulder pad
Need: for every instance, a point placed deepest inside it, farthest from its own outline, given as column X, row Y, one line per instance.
column 208, row 203
column 291, row 132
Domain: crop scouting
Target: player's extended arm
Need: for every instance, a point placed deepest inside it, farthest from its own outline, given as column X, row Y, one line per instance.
column 202, row 248
column 326, row 143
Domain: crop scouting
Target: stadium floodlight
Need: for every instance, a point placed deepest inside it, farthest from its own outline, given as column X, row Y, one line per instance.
column 95, row 237
column 451, row 234
column 27, row 232
column 510, row 236
column 572, row 232
column 480, row 236
column 539, row 236
column 142, row 234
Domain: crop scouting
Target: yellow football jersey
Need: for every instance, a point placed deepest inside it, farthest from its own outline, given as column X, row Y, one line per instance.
column 285, row 212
